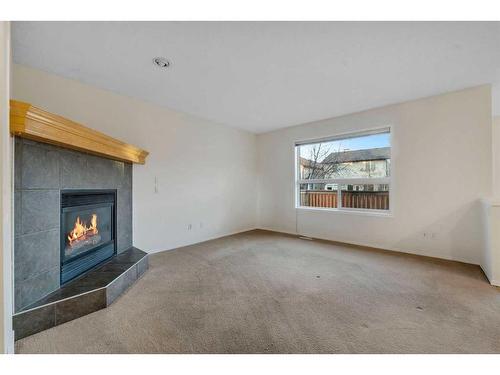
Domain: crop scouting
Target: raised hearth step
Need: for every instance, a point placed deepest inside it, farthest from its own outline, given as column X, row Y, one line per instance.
column 95, row 290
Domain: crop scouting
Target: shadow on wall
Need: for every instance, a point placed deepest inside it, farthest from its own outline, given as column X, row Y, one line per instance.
column 460, row 231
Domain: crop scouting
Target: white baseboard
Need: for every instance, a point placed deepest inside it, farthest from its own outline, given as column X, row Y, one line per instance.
column 495, row 282
column 349, row 242
column 209, row 238
column 358, row 243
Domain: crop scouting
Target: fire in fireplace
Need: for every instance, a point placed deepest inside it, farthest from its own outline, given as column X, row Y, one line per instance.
column 82, row 235
column 87, row 230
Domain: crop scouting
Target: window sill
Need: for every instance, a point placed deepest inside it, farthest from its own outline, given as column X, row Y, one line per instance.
column 376, row 213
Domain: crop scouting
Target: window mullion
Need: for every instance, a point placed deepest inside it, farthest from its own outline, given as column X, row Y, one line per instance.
column 348, row 181
column 339, row 196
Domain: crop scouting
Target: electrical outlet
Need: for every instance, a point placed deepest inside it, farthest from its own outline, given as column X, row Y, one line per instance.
column 429, row 235
column 201, row 225
column 190, row 226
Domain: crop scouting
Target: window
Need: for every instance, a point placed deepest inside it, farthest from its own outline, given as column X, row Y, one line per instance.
column 349, row 172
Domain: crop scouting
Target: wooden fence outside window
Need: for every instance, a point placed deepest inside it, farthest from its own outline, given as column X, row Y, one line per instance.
column 378, row 200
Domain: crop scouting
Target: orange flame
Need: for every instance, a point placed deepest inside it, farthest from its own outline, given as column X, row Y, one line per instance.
column 80, row 229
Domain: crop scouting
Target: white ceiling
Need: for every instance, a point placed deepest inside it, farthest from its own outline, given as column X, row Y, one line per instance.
column 261, row 76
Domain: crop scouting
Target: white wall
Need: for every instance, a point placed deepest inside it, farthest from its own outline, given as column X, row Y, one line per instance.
column 441, row 166
column 495, row 98
column 6, row 333
column 206, row 172
column 490, row 261
column 496, row 157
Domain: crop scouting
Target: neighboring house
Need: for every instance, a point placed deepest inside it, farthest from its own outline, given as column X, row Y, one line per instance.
column 368, row 163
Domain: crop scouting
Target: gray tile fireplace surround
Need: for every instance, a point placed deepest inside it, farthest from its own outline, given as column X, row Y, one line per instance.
column 41, row 171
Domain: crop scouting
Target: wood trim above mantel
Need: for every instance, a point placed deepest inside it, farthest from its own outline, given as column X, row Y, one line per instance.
column 34, row 123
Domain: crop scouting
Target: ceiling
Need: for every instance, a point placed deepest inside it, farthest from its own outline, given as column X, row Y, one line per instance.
column 262, row 76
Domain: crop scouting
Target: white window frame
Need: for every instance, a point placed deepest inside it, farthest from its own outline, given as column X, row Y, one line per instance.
column 345, row 181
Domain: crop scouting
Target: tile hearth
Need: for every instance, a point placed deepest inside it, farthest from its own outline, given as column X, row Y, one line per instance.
column 91, row 292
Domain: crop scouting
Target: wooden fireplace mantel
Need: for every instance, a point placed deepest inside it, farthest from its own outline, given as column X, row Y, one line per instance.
column 34, row 123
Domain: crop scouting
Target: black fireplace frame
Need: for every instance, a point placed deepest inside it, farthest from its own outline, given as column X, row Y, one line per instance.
column 96, row 257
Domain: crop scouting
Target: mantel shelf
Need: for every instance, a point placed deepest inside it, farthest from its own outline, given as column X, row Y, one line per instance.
column 34, row 123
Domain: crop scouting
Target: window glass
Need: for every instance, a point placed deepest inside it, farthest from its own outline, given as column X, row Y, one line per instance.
column 367, row 156
column 318, row 195
column 365, row 159
column 369, row 197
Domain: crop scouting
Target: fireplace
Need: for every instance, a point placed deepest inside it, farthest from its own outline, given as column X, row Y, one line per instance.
column 88, row 230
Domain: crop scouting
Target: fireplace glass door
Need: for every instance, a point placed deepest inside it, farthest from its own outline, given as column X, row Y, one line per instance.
column 88, row 220
column 86, row 228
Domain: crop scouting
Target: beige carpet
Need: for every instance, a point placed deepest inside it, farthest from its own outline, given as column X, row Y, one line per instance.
column 262, row 292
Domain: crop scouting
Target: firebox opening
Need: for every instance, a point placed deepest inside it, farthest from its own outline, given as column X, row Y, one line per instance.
column 88, row 227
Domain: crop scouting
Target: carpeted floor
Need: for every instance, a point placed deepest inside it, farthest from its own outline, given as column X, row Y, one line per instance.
column 263, row 292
